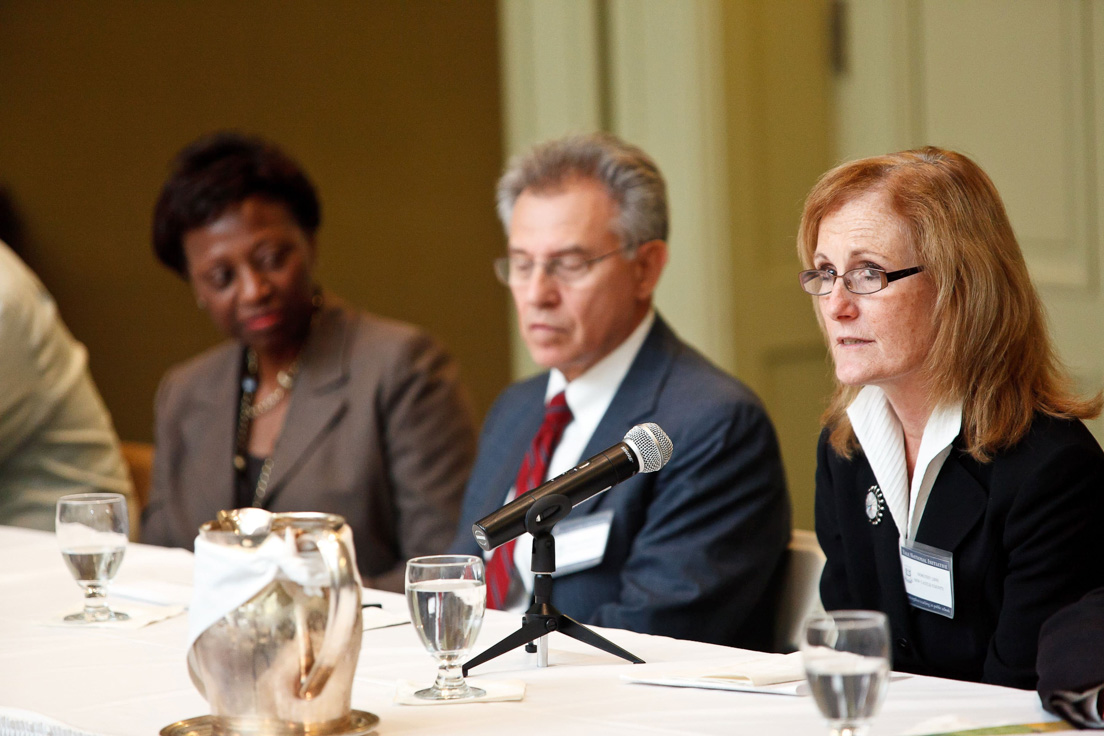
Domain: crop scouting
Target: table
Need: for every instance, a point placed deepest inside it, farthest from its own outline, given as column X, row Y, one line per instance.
column 107, row 682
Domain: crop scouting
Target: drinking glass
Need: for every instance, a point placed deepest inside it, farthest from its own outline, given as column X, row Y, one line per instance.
column 92, row 532
column 846, row 657
column 447, row 595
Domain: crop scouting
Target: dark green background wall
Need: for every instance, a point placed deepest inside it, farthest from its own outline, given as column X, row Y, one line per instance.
column 392, row 107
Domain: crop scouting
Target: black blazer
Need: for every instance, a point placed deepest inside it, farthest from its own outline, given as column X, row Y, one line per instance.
column 694, row 549
column 1021, row 529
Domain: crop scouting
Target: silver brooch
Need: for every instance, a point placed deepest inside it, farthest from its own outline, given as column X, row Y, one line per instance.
column 875, row 505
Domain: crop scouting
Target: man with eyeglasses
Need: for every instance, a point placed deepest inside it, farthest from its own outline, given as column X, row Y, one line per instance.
column 692, row 551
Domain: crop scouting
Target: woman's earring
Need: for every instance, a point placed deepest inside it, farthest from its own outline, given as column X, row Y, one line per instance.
column 201, row 303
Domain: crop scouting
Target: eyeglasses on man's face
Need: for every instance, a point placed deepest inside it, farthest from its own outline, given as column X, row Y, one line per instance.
column 519, row 269
column 869, row 280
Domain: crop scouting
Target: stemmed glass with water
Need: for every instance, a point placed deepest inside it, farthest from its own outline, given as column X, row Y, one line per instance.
column 447, row 596
column 846, row 657
column 92, row 533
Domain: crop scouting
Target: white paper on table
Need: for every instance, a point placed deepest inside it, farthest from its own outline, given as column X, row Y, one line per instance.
column 781, row 674
column 375, row 617
column 157, row 592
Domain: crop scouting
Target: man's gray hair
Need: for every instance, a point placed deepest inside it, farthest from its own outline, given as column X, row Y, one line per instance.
column 630, row 176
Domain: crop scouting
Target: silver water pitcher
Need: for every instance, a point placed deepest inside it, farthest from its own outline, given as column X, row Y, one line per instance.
column 282, row 662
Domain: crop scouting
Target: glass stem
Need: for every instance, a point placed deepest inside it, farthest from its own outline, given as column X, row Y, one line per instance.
column 449, row 676
column 95, row 602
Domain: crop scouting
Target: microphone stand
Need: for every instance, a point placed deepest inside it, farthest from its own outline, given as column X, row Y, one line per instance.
column 542, row 618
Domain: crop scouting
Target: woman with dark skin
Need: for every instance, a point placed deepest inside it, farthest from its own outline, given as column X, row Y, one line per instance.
column 311, row 405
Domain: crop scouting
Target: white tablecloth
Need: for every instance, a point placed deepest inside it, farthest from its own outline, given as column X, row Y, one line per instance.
column 71, row 681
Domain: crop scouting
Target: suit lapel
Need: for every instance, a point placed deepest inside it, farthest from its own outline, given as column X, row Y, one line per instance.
column 634, row 401
column 207, row 428
column 885, row 540
column 316, row 402
column 519, row 427
column 636, row 398
column 956, row 504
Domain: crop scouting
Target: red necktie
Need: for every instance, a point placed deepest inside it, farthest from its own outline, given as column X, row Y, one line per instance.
column 500, row 569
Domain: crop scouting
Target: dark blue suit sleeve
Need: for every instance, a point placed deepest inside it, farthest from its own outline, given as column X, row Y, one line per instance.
column 715, row 532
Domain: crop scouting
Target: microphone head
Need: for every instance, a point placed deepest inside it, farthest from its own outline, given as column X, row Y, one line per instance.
column 653, row 446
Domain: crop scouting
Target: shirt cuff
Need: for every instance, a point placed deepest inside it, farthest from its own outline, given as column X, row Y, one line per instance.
column 1081, row 709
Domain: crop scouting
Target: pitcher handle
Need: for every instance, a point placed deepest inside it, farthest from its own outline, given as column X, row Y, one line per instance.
column 343, row 612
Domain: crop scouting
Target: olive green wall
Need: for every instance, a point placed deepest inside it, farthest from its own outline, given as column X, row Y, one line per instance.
column 391, row 106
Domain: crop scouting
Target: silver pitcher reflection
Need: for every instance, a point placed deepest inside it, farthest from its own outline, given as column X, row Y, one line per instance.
column 282, row 662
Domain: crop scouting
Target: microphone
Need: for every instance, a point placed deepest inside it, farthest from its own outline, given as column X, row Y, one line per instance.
column 645, row 449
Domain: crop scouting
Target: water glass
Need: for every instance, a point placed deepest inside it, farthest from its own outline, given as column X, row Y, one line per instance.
column 847, row 662
column 447, row 596
column 92, row 533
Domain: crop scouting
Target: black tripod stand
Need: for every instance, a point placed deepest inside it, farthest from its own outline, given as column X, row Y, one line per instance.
column 542, row 617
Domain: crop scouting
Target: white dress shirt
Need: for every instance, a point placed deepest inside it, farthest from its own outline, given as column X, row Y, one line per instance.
column 1082, row 709
column 882, row 438
column 588, row 397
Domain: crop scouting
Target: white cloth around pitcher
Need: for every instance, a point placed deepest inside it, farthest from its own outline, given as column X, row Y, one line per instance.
column 226, row 576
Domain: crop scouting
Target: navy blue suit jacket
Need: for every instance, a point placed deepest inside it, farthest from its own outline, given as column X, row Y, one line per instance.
column 695, row 549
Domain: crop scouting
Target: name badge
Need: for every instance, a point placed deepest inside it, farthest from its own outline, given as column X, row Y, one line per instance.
column 928, row 578
column 581, row 543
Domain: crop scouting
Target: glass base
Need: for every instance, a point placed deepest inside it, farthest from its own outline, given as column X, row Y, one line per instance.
column 848, row 729
column 96, row 616
column 464, row 692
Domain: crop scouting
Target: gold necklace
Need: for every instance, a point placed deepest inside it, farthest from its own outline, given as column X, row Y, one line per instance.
column 248, row 411
column 285, row 381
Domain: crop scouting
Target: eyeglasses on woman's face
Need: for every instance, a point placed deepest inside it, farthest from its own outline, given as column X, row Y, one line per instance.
column 868, row 280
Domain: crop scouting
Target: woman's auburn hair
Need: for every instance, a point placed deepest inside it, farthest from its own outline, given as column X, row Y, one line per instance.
column 992, row 350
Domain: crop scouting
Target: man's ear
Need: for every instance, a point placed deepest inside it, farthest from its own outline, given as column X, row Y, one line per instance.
column 651, row 257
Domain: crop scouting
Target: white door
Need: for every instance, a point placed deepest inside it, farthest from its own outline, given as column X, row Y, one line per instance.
column 1019, row 87
column 732, row 100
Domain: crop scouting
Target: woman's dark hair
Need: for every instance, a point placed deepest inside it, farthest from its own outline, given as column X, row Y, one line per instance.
column 217, row 172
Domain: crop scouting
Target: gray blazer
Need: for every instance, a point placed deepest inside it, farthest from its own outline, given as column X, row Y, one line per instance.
column 378, row 430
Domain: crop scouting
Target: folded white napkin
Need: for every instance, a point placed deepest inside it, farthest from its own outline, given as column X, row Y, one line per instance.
column 496, row 691
column 141, row 614
column 761, row 671
column 18, row 721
